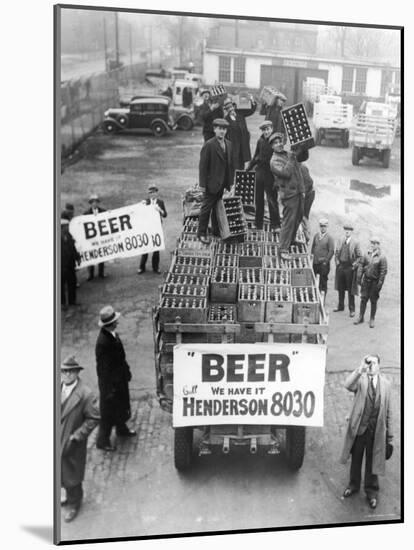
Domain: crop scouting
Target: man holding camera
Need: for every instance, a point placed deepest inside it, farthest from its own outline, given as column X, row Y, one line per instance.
column 369, row 428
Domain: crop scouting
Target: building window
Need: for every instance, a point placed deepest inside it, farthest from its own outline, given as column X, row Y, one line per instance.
column 239, row 74
column 360, row 81
column 224, row 69
column 397, row 78
column 386, row 79
column 347, row 79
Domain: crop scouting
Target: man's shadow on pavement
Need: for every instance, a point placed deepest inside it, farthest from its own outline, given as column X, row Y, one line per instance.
column 40, row 531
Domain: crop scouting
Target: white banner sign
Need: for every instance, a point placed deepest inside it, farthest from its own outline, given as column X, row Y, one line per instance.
column 277, row 384
column 121, row 233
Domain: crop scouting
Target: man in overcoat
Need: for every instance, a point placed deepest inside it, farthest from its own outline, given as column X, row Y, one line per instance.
column 369, row 427
column 274, row 114
column 94, row 208
column 79, row 416
column 216, row 173
column 264, row 178
column 347, row 256
column 371, row 274
column 114, row 375
column 159, row 205
column 69, row 258
column 238, row 135
column 322, row 250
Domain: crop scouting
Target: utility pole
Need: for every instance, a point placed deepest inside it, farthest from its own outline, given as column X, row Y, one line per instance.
column 236, row 33
column 105, row 44
column 130, row 45
column 116, row 40
column 180, row 40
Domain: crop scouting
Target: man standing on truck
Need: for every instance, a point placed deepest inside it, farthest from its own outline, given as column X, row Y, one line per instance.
column 264, row 178
column 216, row 173
column 273, row 113
column 371, row 274
column 322, row 250
column 290, row 186
column 347, row 255
column 309, row 197
column 238, row 134
column 369, row 428
column 114, row 375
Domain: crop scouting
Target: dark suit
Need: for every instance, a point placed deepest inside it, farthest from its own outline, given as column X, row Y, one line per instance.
column 371, row 275
column 346, row 272
column 79, row 416
column 91, row 268
column 69, row 258
column 156, row 255
column 113, row 376
column 207, row 116
column 216, row 173
column 239, row 136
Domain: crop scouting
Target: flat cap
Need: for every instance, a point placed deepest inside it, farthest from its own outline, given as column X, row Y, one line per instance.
column 375, row 239
column 265, row 124
column 276, row 135
column 323, row 221
column 220, row 122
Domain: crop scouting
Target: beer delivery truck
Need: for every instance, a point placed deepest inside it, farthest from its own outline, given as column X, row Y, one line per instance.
column 240, row 340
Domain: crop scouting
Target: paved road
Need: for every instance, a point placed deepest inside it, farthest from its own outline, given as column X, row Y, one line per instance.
column 136, row 491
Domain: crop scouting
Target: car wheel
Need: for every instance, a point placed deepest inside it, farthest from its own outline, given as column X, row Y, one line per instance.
column 110, row 128
column 185, row 123
column 122, row 120
column 158, row 129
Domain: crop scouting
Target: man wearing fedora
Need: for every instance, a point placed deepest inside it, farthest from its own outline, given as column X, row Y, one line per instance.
column 371, row 274
column 216, row 173
column 264, row 178
column 159, row 205
column 369, row 429
column 347, row 256
column 79, row 416
column 94, row 209
column 69, row 258
column 322, row 250
column 288, row 181
column 114, row 375
column 238, row 135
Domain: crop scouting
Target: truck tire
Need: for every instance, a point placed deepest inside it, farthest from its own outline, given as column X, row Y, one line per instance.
column 355, row 155
column 386, row 154
column 295, row 446
column 345, row 139
column 185, row 123
column 183, row 448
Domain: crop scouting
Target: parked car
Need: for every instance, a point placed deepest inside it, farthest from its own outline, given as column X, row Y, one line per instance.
column 155, row 113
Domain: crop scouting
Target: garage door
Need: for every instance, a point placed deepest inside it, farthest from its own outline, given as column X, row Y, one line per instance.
column 282, row 78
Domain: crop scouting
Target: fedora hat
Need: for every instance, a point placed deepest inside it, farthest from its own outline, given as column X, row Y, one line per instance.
column 348, row 225
column 70, row 363
column 152, row 187
column 107, row 316
column 94, row 197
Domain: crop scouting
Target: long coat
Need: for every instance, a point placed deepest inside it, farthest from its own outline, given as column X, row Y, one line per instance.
column 212, row 168
column 239, row 136
column 79, row 417
column 113, row 376
column 355, row 253
column 69, row 255
column 383, row 431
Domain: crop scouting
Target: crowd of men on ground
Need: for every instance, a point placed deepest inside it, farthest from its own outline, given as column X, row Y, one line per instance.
column 284, row 179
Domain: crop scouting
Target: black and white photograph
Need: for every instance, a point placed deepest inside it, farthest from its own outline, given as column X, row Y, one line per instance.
column 228, row 303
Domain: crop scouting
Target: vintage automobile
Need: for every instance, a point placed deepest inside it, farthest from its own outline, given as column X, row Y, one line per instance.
column 154, row 113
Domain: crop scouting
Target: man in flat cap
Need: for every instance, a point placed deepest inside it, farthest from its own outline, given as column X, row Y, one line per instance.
column 216, row 173
column 322, row 250
column 94, row 209
column 69, row 258
column 347, row 256
column 288, row 181
column 273, row 113
column 238, row 135
column 114, row 375
column 79, row 416
column 159, row 206
column 371, row 274
column 264, row 178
